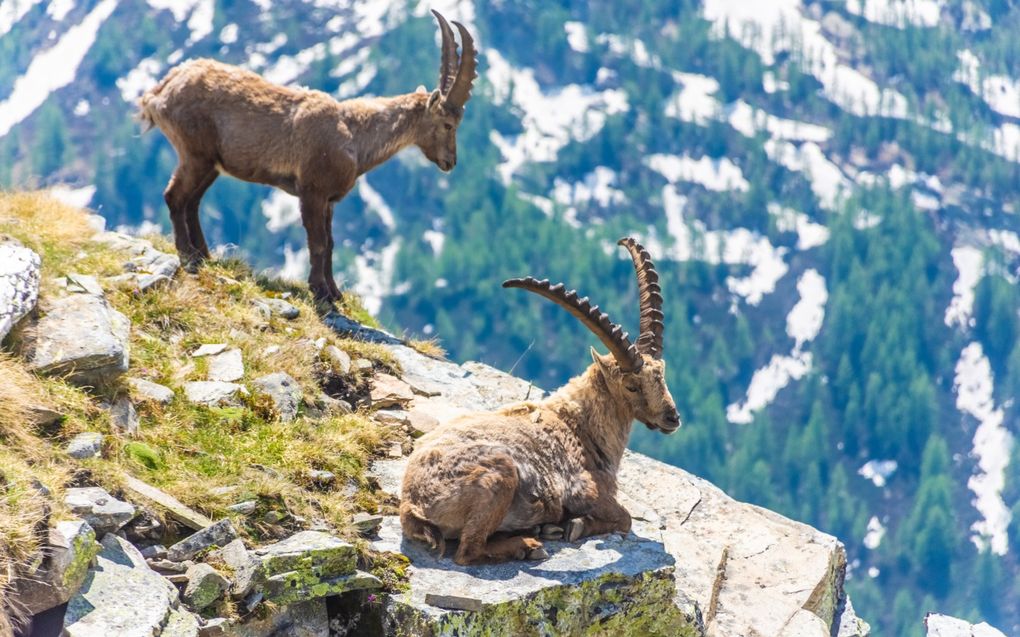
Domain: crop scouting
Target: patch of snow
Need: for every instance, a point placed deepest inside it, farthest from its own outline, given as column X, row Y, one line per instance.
column 898, row 13
column 974, row 17
column 281, row 210
column 876, row 530
column 969, row 264
column 201, row 11
column 58, row 9
column 805, row 319
column 809, row 234
column 772, row 27
column 462, row 11
column 82, row 108
column 53, row 68
column 770, row 84
column 992, row 446
column 357, row 84
column 544, row 204
column 865, row 220
column 873, row 572
column 694, row 102
column 598, row 186
column 77, row 197
column 228, row 34
column 748, row 121
column 630, row 48
column 139, row 79
column 550, row 119
column 714, row 174
column 374, row 202
column 434, row 239
column 802, row 324
column 878, row 471
column 577, row 36
column 295, row 263
column 13, row 10
column 1000, row 92
column 374, row 273
column 827, row 180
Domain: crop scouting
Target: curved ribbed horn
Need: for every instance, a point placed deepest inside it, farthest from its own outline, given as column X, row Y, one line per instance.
column 449, row 62
column 611, row 334
column 460, row 93
column 650, row 339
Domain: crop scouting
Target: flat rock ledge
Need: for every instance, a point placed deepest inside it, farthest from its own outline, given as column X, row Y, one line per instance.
column 609, row 585
column 731, row 568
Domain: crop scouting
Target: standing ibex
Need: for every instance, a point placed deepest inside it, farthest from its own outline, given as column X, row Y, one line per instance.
column 221, row 118
column 550, row 461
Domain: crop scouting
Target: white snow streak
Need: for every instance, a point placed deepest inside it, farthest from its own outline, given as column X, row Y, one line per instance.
column 992, row 445
column 374, row 272
column 139, row 79
column 802, row 324
column 374, row 202
column 827, row 180
column 13, row 10
column 878, row 471
column 748, row 121
column 77, row 197
column 281, row 210
column 694, row 102
column 52, row 69
column 898, row 13
column 809, row 234
column 876, row 531
column 968, row 261
column 714, row 174
column 577, row 36
column 1001, row 92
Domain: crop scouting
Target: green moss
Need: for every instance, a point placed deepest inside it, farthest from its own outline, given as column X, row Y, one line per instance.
column 144, row 455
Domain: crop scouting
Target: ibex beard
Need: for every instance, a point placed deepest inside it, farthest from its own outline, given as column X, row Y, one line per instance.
column 486, row 478
column 224, row 119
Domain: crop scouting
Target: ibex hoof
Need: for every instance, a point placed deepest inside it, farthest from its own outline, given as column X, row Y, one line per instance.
column 575, row 528
column 538, row 554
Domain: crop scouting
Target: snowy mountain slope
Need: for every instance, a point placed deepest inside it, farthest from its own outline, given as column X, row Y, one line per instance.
column 830, row 190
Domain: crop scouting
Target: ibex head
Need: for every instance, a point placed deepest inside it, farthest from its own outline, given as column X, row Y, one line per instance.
column 635, row 373
column 445, row 106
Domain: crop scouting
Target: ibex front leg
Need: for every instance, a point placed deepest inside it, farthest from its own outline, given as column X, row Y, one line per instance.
column 315, row 217
column 608, row 516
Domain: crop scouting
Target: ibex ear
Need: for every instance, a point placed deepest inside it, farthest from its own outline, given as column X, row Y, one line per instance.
column 603, row 365
column 433, row 99
column 420, row 89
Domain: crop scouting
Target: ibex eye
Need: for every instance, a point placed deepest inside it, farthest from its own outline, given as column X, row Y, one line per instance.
column 633, row 389
column 448, row 126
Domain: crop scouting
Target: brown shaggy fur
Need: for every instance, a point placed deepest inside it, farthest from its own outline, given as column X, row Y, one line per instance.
column 552, row 461
column 223, row 119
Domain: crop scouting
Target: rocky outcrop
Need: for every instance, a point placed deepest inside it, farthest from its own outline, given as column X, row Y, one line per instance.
column 121, row 596
column 283, row 391
column 19, row 283
column 146, row 268
column 70, row 549
column 946, row 626
column 78, row 335
column 102, row 511
column 732, row 568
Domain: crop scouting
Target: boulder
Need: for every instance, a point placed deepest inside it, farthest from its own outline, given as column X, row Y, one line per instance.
column 352, row 329
column 277, row 307
column 219, row 534
column 69, row 552
column 208, row 349
column 102, row 511
column 120, row 596
column 78, row 335
column 305, row 619
column 124, row 416
column 169, row 504
column 147, row 268
column 389, row 391
column 340, row 359
column 284, row 391
column 946, row 626
column 241, row 564
column 181, row 623
column 624, row 585
column 226, row 366
column 309, row 565
column 213, row 393
column 19, row 283
column 87, row 444
column 205, row 586
column 148, row 390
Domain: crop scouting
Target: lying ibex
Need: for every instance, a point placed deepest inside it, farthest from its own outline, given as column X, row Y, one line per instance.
column 221, row 118
column 553, row 461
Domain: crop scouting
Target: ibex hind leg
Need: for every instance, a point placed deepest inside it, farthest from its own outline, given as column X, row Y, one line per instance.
column 488, row 492
column 198, row 243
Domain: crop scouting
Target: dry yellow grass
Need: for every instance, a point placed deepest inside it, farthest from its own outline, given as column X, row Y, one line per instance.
column 209, row 458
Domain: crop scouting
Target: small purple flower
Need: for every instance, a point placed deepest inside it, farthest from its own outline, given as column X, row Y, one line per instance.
column 371, row 598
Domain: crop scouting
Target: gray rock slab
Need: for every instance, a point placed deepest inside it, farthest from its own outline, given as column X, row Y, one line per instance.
column 181, row 623
column 213, row 393
column 148, row 390
column 625, row 584
column 390, row 391
column 352, row 329
column 241, row 565
column 205, row 586
column 102, row 511
column 309, row 565
column 227, row 366
column 209, row 349
column 284, row 391
column 945, row 626
column 80, row 336
column 120, row 596
column 124, row 416
column 167, row 503
column 87, row 444
column 19, row 283
column 71, row 547
column 340, row 359
column 219, row 534
column 277, row 307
